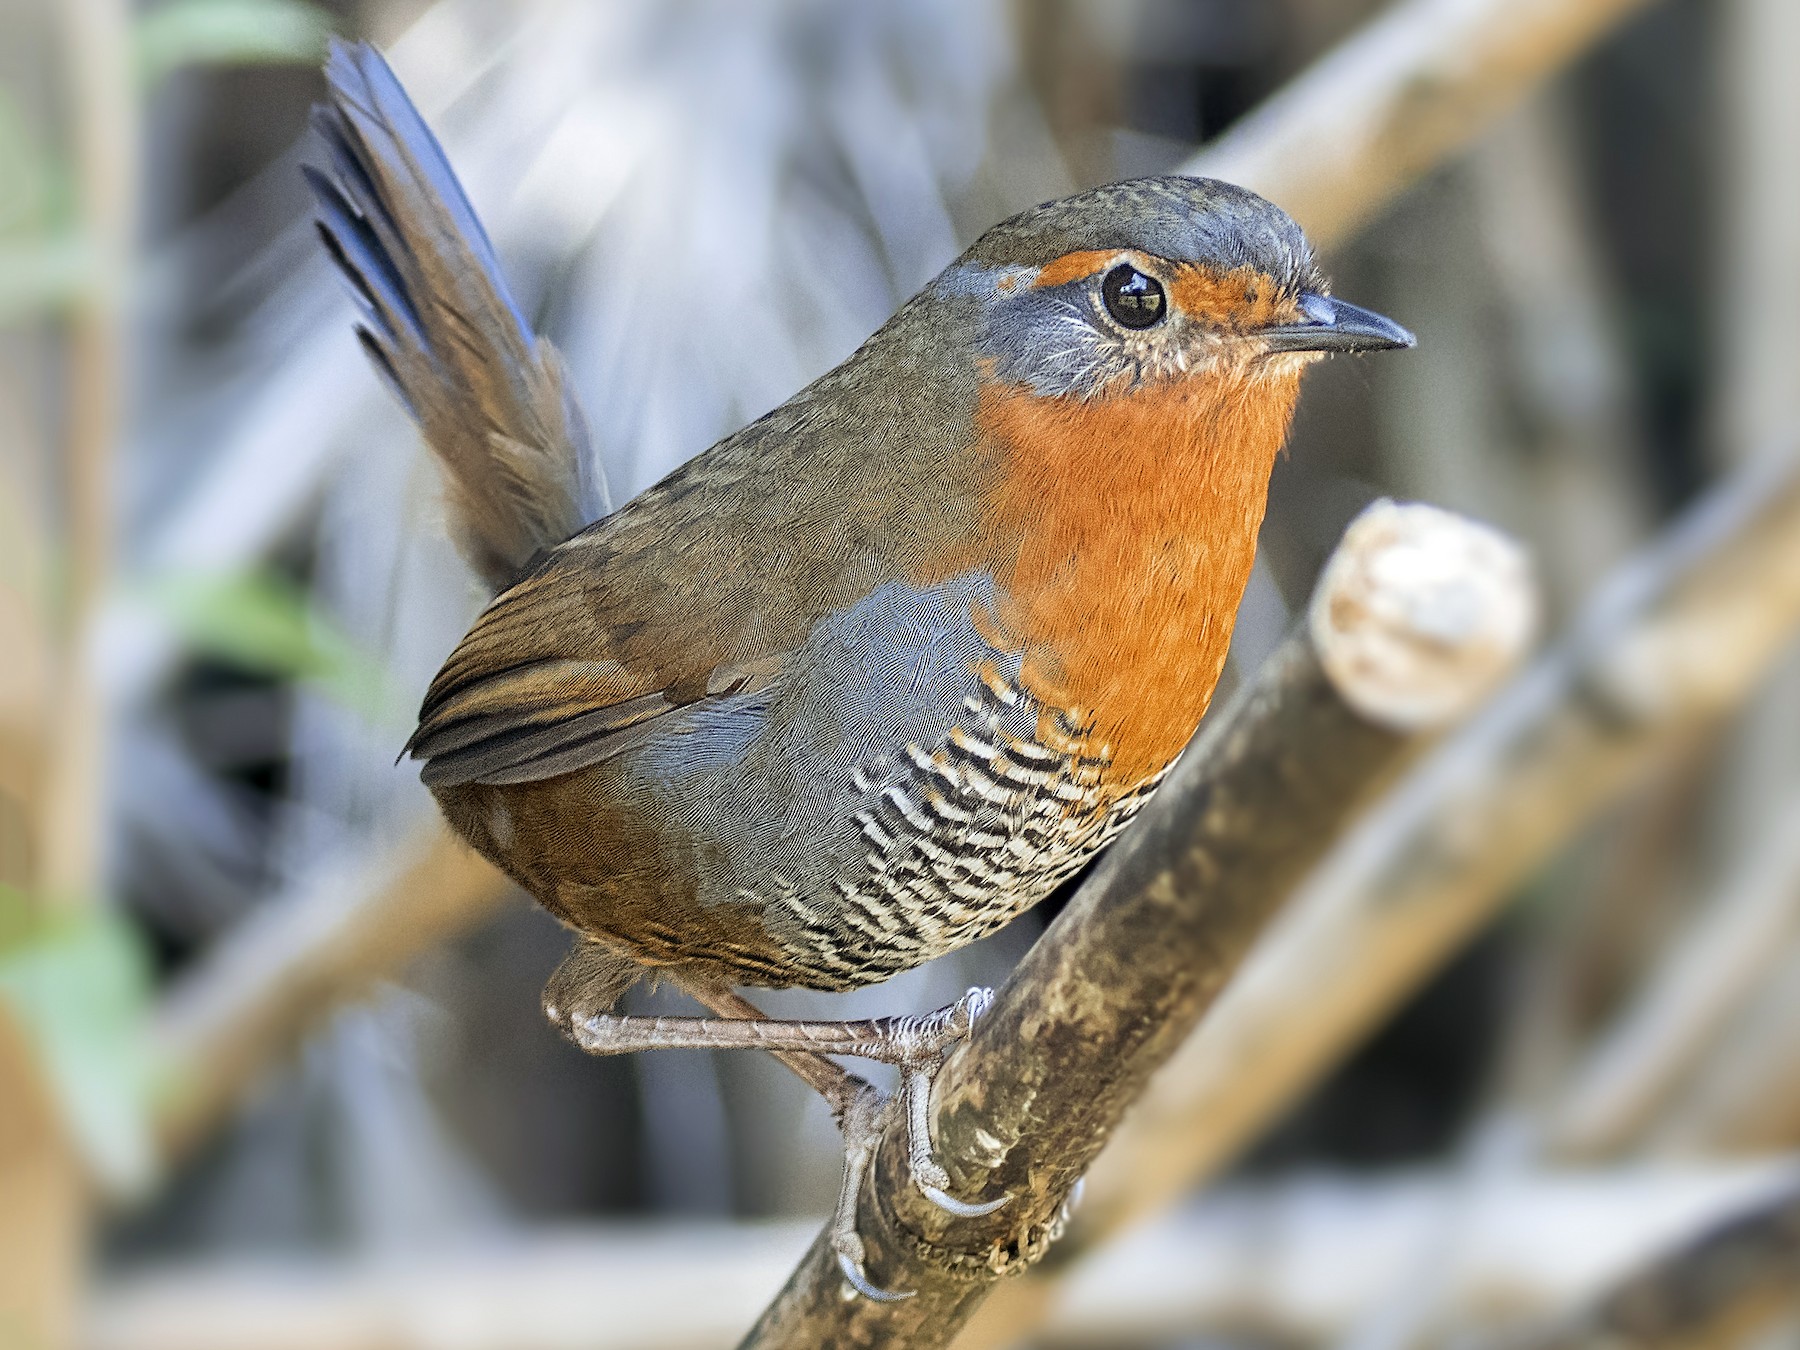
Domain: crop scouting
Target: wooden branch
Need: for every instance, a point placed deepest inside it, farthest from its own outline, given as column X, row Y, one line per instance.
column 1417, row 615
column 1708, row 972
column 96, row 40
column 1406, row 93
column 41, row 1202
column 1716, row 1290
column 1677, row 638
column 276, row 974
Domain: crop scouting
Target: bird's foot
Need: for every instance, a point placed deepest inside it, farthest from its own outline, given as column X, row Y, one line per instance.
column 860, row 1120
column 917, row 1045
column 577, row 1001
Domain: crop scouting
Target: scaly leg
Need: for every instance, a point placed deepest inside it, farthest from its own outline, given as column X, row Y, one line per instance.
column 915, row 1044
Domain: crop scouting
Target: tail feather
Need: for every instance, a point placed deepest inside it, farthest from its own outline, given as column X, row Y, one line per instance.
column 492, row 398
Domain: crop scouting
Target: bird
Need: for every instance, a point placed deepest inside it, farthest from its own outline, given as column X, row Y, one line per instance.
column 869, row 677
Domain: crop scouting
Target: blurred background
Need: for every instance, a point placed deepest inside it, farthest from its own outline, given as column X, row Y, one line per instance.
column 272, row 1067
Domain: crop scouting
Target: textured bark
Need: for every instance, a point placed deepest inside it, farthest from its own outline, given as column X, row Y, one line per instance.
column 1120, row 978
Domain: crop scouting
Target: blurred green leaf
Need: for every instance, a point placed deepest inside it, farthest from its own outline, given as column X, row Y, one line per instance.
column 41, row 274
column 44, row 260
column 228, row 32
column 78, row 982
column 265, row 624
column 34, row 188
column 16, row 920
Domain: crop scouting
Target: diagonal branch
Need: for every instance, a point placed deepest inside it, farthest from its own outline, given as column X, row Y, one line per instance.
column 1417, row 615
column 1410, row 90
column 300, row 956
column 1679, row 636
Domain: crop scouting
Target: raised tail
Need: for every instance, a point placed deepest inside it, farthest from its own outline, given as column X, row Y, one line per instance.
column 491, row 396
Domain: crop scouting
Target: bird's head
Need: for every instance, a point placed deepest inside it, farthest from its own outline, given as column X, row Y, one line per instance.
column 1156, row 279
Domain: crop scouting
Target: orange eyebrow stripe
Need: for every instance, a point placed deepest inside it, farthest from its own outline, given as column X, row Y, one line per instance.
column 1225, row 298
column 1074, row 266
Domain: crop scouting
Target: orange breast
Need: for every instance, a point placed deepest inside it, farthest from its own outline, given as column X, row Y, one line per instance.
column 1135, row 518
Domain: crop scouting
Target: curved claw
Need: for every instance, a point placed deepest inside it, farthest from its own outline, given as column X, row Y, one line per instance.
column 963, row 1209
column 854, row 1277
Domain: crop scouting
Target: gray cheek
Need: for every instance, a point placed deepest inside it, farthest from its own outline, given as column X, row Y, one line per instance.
column 1047, row 340
column 1053, row 343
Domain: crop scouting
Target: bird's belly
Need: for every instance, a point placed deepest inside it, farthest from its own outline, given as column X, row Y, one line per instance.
column 954, row 843
column 895, row 798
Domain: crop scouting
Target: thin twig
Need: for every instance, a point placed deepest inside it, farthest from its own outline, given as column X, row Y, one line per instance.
column 1709, row 970
column 96, row 35
column 302, row 955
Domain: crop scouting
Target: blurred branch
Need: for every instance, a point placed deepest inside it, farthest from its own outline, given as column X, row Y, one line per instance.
column 43, row 1214
column 40, row 1228
column 1417, row 614
column 1295, row 1261
column 96, row 42
column 1573, row 391
column 1407, row 92
column 279, row 973
column 1709, row 970
column 1745, row 1095
column 1716, row 1290
column 1674, row 640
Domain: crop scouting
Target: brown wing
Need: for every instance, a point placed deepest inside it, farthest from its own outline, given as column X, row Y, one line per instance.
column 563, row 670
column 703, row 585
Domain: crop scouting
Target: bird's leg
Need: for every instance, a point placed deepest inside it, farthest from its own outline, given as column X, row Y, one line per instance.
column 915, row 1044
column 836, row 1084
column 856, row 1105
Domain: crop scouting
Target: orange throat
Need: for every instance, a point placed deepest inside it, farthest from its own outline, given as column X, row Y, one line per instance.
column 1134, row 518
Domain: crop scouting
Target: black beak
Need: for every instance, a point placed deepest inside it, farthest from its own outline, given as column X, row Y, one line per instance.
column 1334, row 326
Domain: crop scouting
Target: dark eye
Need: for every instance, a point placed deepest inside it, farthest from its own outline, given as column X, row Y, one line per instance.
column 1132, row 298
